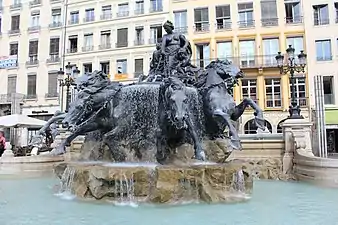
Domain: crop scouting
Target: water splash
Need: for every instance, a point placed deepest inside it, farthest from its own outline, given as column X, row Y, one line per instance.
column 124, row 191
column 67, row 179
column 239, row 181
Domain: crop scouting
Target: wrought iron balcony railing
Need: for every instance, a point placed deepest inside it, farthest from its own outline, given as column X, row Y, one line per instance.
column 246, row 24
column 51, row 95
column 16, row 6
column 139, row 42
column 89, row 19
column 104, row 46
column 201, row 27
column 123, row 14
column 88, row 48
column 106, row 16
column 269, row 22
column 53, row 58
column 73, row 21
column 34, row 3
column 72, row 50
column 294, row 20
column 224, row 26
column 155, row 9
column 321, row 21
column 55, row 25
column 34, row 29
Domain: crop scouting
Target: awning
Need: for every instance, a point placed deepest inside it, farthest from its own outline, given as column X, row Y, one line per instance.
column 331, row 116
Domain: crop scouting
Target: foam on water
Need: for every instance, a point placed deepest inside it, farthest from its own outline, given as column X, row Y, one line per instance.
column 132, row 165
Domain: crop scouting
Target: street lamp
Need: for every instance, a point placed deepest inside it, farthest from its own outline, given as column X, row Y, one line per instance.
column 292, row 66
column 68, row 81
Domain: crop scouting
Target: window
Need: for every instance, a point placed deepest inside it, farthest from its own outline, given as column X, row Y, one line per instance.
column 31, row 86
column 251, row 128
column 247, row 53
column 35, row 19
column 56, row 17
column 224, row 50
column 270, row 49
column 223, row 18
column 336, row 9
column 181, row 23
column 72, row 44
column 139, row 7
column 74, row 17
column 279, row 126
column 269, row 13
column 106, row 12
column 321, row 14
column 122, row 38
column 273, row 93
column 293, row 11
column 13, row 48
column 0, row 24
column 105, row 39
column 15, row 23
column 105, row 67
column 155, row 33
column 11, row 84
column 33, row 50
column 54, row 46
column 323, row 50
column 297, row 43
column 123, row 9
column 88, row 42
column 121, row 66
column 138, row 67
column 90, row 15
column 245, row 14
column 249, row 89
column 87, row 67
column 201, row 16
column 139, row 39
column 52, row 85
column 156, row 6
column 328, row 90
column 300, row 87
column 203, row 54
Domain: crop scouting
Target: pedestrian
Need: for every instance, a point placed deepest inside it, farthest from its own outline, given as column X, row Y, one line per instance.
column 2, row 143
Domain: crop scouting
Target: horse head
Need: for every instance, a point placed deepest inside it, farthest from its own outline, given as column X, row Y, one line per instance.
column 226, row 69
column 176, row 102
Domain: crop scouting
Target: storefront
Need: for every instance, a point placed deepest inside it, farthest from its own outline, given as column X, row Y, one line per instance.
column 331, row 121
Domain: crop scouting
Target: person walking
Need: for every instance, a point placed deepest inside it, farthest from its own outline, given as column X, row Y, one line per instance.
column 2, row 143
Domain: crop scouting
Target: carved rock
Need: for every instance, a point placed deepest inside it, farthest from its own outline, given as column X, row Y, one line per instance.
column 158, row 184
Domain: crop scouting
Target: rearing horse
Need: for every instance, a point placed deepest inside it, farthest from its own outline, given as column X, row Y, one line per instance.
column 219, row 106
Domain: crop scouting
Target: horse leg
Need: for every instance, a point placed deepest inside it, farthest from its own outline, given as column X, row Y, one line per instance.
column 199, row 151
column 109, row 139
column 61, row 149
column 235, row 142
column 259, row 119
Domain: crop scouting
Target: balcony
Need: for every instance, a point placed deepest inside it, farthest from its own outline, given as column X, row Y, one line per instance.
column 73, row 21
column 54, row 1
column 139, row 42
column 269, row 22
column 89, row 19
column 34, row 3
column 33, row 61
column 72, row 50
column 153, row 9
column 121, row 44
column 34, row 29
column 88, row 48
column 122, row 14
column 324, row 58
column 16, row 6
column 224, row 26
column 329, row 99
column 294, row 20
column 11, row 97
column 53, row 58
column 105, row 46
column 55, row 25
column 181, row 30
column 14, row 32
column 139, row 11
column 106, row 16
column 201, row 27
column 31, row 97
column 246, row 24
column 321, row 21
column 155, row 40
column 51, row 95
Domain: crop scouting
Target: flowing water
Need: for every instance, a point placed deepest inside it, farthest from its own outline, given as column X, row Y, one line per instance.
column 34, row 202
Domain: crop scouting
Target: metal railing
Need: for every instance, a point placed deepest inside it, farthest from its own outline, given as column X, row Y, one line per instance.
column 104, row 46
column 122, row 14
column 55, row 25
column 155, row 9
column 155, row 40
column 33, row 60
column 31, row 96
column 294, row 20
column 269, row 22
column 34, row 3
column 14, row 32
column 16, row 6
column 182, row 30
column 139, row 42
column 321, row 21
column 201, row 27
column 53, row 58
column 106, row 16
column 72, row 50
column 246, row 24
column 34, row 29
column 224, row 26
column 324, row 58
column 88, row 48
column 139, row 11
column 89, row 19
column 51, row 95
column 73, row 21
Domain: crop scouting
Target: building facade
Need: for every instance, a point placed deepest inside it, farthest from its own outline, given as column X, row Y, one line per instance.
column 249, row 33
column 321, row 30
column 116, row 37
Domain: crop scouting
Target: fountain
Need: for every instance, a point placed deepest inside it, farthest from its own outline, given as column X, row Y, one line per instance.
column 161, row 139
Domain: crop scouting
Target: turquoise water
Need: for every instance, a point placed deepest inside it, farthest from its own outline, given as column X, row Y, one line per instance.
column 33, row 202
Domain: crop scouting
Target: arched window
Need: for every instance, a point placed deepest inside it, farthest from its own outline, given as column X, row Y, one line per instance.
column 279, row 127
column 251, row 128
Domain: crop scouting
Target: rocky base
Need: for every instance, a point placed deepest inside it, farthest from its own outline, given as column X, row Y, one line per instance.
column 152, row 183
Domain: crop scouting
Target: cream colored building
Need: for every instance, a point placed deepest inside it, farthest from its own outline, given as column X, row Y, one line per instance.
column 117, row 37
column 321, row 30
column 249, row 33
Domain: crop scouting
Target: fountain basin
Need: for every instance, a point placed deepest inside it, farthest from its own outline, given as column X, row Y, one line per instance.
column 152, row 183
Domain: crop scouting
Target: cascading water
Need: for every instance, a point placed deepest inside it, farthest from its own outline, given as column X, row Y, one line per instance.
column 239, row 181
column 124, row 191
column 67, row 180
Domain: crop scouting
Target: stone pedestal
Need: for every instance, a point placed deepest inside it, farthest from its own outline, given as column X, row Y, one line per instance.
column 297, row 134
column 8, row 153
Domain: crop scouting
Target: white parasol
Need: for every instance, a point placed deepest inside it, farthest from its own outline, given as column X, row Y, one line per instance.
column 18, row 120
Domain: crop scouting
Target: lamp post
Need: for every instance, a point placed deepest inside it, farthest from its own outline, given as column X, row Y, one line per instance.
column 68, row 81
column 292, row 66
